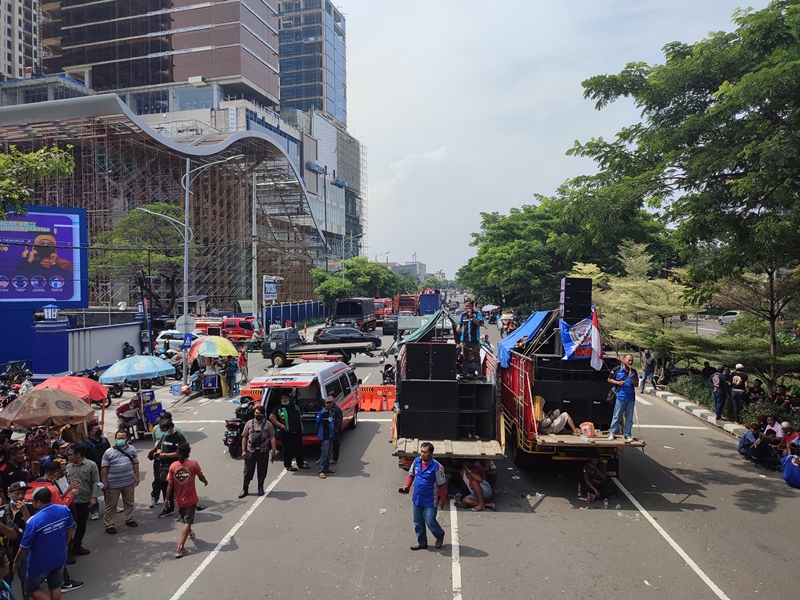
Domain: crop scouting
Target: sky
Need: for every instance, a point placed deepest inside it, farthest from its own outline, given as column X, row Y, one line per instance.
column 468, row 107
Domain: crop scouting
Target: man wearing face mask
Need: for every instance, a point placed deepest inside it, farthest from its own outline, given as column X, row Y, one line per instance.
column 258, row 442
column 96, row 445
column 119, row 474
column 287, row 422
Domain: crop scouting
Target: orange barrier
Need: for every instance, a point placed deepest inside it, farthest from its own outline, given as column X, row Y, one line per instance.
column 254, row 393
column 377, row 397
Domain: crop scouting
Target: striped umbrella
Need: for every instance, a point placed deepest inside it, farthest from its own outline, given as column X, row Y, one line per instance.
column 211, row 346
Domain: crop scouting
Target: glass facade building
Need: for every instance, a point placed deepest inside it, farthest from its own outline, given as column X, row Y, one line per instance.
column 116, row 45
column 312, row 57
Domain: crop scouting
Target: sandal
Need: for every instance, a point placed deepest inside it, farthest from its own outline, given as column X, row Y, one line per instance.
column 323, row 476
column 460, row 505
column 185, row 552
column 291, row 468
column 305, row 466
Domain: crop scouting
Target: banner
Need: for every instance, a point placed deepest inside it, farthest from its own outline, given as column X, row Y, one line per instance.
column 577, row 340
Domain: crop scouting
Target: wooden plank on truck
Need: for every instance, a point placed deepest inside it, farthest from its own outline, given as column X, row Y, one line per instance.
column 569, row 440
column 475, row 449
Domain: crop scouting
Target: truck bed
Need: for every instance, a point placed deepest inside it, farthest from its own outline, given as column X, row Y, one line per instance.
column 325, row 348
column 565, row 440
column 474, row 449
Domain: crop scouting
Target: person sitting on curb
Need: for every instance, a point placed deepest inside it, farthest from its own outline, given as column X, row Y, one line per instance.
column 789, row 435
column 748, row 439
column 763, row 452
column 474, row 480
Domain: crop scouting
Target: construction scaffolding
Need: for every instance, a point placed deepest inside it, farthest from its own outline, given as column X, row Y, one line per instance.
column 121, row 164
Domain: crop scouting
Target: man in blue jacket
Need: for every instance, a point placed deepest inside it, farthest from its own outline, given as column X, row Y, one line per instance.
column 430, row 491
column 326, row 431
column 719, row 386
column 626, row 380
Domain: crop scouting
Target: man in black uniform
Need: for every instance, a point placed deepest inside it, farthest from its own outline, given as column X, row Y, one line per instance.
column 13, row 467
column 289, row 430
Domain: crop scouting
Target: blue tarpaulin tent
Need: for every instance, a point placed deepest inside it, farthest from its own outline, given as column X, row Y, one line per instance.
column 529, row 328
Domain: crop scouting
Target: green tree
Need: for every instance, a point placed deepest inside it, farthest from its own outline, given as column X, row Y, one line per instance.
column 369, row 278
column 716, row 151
column 431, row 281
column 407, row 282
column 20, row 171
column 141, row 244
column 333, row 289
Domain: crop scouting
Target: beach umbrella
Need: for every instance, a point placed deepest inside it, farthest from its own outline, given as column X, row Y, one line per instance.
column 135, row 368
column 45, row 408
column 211, row 346
column 82, row 387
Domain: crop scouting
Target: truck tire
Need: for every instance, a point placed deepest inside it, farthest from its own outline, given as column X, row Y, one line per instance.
column 278, row 360
column 354, row 423
column 519, row 457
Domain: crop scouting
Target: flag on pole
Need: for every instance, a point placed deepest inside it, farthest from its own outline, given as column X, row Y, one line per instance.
column 597, row 344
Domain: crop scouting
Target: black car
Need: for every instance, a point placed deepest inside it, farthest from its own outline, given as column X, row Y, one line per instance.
column 345, row 335
column 389, row 324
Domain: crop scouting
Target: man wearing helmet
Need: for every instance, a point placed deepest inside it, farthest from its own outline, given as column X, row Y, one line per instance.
column 738, row 385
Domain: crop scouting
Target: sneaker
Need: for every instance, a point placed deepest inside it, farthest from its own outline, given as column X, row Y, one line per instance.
column 333, row 462
column 120, row 509
column 153, row 502
column 165, row 513
column 94, row 516
column 81, row 551
column 628, row 438
column 71, row 558
column 70, row 585
column 611, row 436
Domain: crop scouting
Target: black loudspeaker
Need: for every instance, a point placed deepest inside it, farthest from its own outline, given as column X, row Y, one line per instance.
column 418, row 351
column 443, row 370
column 443, row 353
column 570, row 297
column 428, row 395
column 550, row 391
column 602, row 412
column 418, row 370
column 575, row 312
column 428, row 425
column 576, row 284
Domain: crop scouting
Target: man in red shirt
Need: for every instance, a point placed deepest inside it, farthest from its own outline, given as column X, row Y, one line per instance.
column 789, row 435
column 181, row 480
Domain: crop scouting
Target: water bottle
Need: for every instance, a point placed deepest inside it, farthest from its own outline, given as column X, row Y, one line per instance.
column 579, row 490
column 637, row 516
column 605, row 502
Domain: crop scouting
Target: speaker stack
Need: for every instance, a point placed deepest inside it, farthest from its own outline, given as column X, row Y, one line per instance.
column 575, row 302
column 434, row 405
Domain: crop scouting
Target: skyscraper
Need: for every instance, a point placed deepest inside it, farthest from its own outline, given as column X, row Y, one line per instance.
column 20, row 38
column 151, row 48
column 312, row 57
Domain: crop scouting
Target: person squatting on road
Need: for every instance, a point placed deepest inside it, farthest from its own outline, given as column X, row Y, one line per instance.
column 181, row 483
column 625, row 379
column 326, row 432
column 258, row 443
column 597, row 479
column 430, row 490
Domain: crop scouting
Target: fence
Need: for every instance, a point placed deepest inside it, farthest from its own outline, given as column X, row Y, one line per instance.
column 296, row 312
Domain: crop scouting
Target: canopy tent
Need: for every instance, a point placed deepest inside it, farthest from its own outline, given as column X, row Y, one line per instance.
column 529, row 328
column 425, row 333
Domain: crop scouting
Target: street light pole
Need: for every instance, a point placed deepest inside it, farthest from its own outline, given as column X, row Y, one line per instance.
column 254, row 258
column 186, row 263
column 325, row 206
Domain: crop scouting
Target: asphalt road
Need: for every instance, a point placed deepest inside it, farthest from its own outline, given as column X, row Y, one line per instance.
column 709, row 525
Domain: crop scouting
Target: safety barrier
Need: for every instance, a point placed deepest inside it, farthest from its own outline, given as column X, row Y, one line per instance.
column 377, row 397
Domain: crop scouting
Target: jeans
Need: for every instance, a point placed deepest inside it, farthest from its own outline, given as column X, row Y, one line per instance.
column 719, row 404
column 325, row 455
column 623, row 408
column 645, row 376
column 737, row 400
column 426, row 515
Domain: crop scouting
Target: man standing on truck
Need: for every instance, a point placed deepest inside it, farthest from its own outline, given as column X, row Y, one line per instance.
column 625, row 379
column 430, row 490
column 289, row 429
column 469, row 332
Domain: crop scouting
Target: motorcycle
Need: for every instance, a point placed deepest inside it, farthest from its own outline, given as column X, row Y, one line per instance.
column 388, row 373
column 232, row 438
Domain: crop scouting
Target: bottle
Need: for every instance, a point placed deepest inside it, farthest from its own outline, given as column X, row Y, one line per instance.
column 579, row 490
column 605, row 502
column 637, row 516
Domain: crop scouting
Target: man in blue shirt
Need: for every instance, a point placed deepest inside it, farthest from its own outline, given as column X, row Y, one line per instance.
column 625, row 379
column 791, row 471
column 326, row 425
column 430, row 489
column 468, row 331
column 47, row 535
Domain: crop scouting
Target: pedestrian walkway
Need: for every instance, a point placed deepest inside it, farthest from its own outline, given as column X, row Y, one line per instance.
column 698, row 411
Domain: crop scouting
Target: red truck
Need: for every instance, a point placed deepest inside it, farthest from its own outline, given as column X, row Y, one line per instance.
column 383, row 306
column 406, row 303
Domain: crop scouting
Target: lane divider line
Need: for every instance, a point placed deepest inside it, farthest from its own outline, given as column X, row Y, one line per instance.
column 455, row 551
column 693, row 565
column 641, row 400
column 224, row 541
column 698, row 427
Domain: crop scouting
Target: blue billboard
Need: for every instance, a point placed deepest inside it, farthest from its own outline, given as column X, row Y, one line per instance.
column 44, row 258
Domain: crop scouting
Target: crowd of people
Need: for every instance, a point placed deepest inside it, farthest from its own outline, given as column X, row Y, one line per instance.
column 769, row 444
column 228, row 371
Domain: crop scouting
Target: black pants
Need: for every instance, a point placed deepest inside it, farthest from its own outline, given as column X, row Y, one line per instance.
column 82, row 516
column 292, row 448
column 159, row 488
column 258, row 461
column 336, row 447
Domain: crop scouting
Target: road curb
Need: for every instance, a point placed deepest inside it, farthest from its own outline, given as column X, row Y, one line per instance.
column 700, row 412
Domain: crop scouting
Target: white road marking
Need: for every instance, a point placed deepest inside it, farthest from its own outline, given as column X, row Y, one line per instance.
column 202, row 421
column 363, row 381
column 693, row 565
column 186, row 584
column 641, row 400
column 368, row 419
column 700, row 427
column 455, row 551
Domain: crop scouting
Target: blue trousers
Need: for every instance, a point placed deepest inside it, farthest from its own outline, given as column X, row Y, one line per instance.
column 645, row 376
column 623, row 408
column 426, row 515
column 719, row 404
column 325, row 447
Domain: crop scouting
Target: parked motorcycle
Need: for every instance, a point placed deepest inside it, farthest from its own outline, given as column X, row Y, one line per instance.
column 232, row 438
column 388, row 373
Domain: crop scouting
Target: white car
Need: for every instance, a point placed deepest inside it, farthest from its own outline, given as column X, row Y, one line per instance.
column 728, row 317
column 175, row 338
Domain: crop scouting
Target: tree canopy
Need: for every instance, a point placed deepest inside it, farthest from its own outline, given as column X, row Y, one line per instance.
column 20, row 171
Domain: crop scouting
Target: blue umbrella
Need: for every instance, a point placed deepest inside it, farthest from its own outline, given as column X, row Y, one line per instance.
column 135, row 368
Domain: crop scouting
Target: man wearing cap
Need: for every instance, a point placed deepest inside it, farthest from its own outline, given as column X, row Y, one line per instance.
column 130, row 415
column 719, row 386
column 44, row 544
column 738, row 385
column 13, row 518
column 326, row 423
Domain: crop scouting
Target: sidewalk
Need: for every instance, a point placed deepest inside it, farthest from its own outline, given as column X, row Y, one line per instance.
column 699, row 412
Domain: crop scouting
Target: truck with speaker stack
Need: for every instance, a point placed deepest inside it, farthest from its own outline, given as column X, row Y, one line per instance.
column 538, row 379
column 438, row 405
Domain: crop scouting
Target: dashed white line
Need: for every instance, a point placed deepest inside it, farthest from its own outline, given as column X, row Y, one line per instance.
column 186, row 584
column 693, row 565
column 641, row 400
column 700, row 427
column 455, row 551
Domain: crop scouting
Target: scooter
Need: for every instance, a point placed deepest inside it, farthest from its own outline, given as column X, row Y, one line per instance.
column 388, row 373
column 232, row 438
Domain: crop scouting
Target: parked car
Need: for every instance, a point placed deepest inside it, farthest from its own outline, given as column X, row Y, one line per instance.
column 175, row 338
column 389, row 324
column 345, row 335
column 728, row 317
